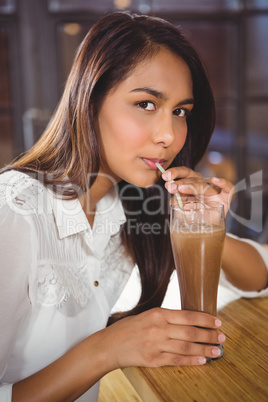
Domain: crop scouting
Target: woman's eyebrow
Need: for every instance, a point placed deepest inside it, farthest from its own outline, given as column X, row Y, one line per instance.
column 187, row 101
column 150, row 91
column 160, row 95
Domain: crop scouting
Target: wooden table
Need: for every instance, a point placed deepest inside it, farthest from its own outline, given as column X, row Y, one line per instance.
column 240, row 375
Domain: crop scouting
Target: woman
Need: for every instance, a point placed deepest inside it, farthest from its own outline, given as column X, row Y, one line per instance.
column 137, row 94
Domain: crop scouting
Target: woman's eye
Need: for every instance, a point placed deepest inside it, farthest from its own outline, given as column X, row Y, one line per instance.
column 147, row 105
column 181, row 112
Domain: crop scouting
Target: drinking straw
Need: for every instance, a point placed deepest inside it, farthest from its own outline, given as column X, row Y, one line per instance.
column 177, row 195
column 172, row 181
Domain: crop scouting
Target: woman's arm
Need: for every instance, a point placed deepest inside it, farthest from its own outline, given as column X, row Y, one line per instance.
column 68, row 377
column 243, row 265
column 155, row 338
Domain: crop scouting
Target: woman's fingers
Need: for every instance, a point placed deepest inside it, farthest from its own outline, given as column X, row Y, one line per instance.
column 225, row 185
column 195, row 318
column 195, row 334
column 179, row 172
column 201, row 187
column 171, row 359
column 192, row 349
column 161, row 337
column 190, row 334
column 192, row 184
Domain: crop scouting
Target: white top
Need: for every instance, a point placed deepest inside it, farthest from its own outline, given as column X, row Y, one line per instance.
column 51, row 262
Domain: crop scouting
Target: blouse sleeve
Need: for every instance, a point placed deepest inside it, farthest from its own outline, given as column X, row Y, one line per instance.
column 5, row 392
column 264, row 254
column 16, row 250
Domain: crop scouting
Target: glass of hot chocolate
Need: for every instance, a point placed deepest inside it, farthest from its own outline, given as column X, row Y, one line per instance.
column 197, row 230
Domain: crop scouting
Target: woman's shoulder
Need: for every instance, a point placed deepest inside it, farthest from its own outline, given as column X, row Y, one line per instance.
column 16, row 180
column 21, row 192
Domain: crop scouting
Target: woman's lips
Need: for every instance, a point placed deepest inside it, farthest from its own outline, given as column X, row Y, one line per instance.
column 151, row 162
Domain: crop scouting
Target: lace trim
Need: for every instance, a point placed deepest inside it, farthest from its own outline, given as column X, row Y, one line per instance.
column 56, row 283
column 17, row 190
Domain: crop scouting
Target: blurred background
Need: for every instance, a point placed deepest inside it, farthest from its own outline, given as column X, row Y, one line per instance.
column 38, row 39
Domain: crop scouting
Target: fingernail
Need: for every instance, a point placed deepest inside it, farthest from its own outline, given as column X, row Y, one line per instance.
column 167, row 176
column 216, row 179
column 202, row 360
column 217, row 323
column 172, row 187
column 221, row 338
column 216, row 351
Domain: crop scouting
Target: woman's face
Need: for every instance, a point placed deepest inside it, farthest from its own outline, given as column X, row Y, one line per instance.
column 143, row 120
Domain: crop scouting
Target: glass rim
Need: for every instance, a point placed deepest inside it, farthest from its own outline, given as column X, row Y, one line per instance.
column 209, row 204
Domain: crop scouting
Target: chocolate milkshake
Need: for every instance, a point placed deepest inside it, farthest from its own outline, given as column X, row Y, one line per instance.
column 197, row 236
column 197, row 251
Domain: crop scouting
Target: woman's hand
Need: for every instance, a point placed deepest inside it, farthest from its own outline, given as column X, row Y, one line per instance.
column 157, row 337
column 162, row 337
column 193, row 183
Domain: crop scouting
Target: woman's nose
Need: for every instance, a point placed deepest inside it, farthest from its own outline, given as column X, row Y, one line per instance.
column 164, row 133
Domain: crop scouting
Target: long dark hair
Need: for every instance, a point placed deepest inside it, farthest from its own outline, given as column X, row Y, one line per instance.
column 69, row 146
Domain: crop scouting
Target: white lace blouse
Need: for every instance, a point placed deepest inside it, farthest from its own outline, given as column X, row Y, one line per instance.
column 59, row 279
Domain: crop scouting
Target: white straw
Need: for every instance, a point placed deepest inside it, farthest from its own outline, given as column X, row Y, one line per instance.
column 176, row 194
column 172, row 181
